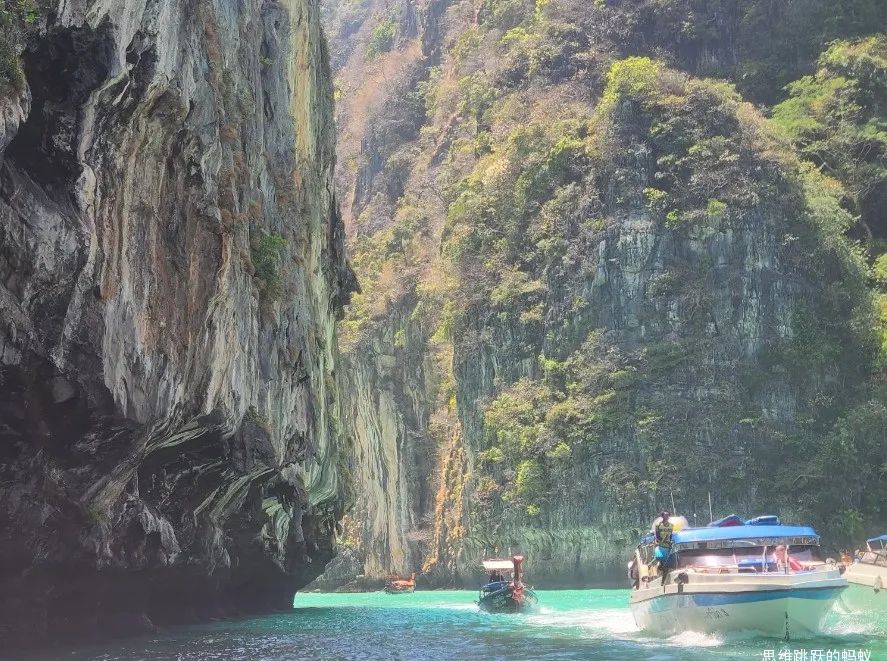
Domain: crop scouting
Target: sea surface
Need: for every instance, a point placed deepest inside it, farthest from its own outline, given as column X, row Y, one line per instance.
column 572, row 624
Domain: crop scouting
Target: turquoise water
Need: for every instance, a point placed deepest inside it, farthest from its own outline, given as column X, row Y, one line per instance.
column 572, row 624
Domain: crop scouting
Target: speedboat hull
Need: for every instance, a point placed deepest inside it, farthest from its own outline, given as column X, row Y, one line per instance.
column 783, row 615
column 782, row 606
column 863, row 599
column 867, row 590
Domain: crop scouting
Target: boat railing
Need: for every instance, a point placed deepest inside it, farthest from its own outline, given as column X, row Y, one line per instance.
column 878, row 559
column 720, row 569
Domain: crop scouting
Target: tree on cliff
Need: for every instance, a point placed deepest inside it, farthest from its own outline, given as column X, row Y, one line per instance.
column 623, row 269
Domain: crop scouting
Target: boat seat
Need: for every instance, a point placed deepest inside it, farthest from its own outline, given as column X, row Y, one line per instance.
column 754, row 565
column 495, row 586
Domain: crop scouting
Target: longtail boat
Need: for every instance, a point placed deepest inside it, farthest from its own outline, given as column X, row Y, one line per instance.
column 398, row 585
column 504, row 595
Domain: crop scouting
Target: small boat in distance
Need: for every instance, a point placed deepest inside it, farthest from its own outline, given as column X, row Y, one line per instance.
column 503, row 594
column 757, row 576
column 397, row 585
column 867, row 576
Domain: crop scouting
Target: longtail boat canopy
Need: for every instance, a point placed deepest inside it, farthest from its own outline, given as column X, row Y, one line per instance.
column 498, row 565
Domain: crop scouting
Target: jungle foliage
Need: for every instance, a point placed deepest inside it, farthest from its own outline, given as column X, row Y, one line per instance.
column 551, row 132
column 837, row 119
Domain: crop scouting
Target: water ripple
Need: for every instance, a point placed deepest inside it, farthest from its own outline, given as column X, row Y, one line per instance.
column 578, row 624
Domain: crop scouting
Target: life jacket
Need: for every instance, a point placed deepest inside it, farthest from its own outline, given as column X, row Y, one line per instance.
column 663, row 534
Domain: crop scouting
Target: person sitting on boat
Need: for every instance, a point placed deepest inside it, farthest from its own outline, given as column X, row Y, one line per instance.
column 782, row 558
column 634, row 573
column 662, row 534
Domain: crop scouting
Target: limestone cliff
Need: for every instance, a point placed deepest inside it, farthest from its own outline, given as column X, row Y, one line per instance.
column 616, row 281
column 391, row 375
column 171, row 269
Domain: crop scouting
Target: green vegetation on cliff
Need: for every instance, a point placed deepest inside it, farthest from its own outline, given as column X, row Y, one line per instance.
column 15, row 17
column 837, row 118
column 268, row 252
column 758, row 44
column 523, row 230
column 648, row 288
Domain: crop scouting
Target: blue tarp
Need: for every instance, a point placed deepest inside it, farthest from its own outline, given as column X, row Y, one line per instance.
column 692, row 535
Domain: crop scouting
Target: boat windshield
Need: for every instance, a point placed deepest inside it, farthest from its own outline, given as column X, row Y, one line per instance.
column 749, row 558
column 870, row 558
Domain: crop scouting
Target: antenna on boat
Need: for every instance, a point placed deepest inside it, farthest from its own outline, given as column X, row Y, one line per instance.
column 711, row 517
column 673, row 510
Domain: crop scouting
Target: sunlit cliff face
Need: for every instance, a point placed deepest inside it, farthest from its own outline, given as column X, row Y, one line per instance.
column 592, row 281
column 172, row 268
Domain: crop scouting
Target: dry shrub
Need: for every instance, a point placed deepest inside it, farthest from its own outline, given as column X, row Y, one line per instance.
column 228, row 134
column 246, row 259
column 239, row 159
column 256, row 212
column 228, row 220
column 213, row 44
column 227, row 188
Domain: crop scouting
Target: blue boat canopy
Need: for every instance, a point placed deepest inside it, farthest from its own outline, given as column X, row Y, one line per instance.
column 882, row 538
column 740, row 536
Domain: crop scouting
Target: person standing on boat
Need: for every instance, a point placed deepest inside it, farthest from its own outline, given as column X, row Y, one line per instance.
column 662, row 533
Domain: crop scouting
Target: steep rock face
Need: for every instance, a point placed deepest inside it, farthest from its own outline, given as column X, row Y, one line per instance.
column 12, row 112
column 391, row 376
column 622, row 286
column 390, row 401
column 655, row 303
column 381, row 52
column 634, row 454
column 172, row 265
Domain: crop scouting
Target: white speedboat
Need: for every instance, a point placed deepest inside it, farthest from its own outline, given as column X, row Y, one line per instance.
column 867, row 577
column 724, row 578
